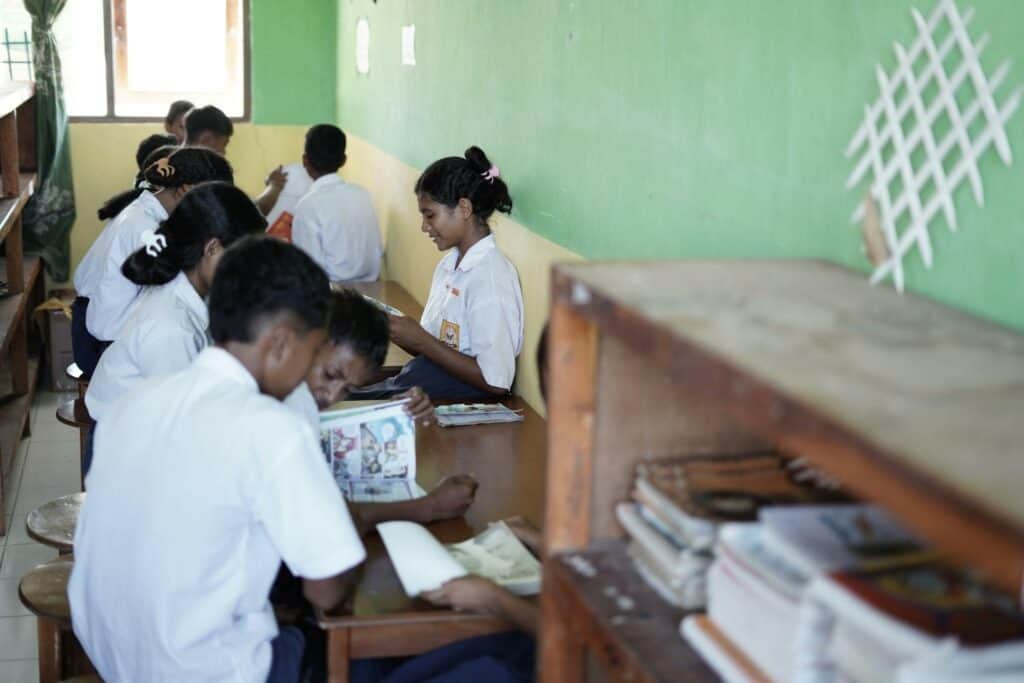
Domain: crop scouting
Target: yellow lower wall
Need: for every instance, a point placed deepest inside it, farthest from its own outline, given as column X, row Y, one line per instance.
column 411, row 257
column 103, row 163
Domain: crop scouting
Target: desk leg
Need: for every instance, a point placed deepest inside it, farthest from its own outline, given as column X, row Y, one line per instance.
column 337, row 655
column 561, row 650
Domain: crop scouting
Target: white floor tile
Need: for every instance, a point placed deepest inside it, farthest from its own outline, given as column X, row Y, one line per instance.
column 17, row 534
column 18, row 638
column 20, row 671
column 62, row 474
column 19, row 559
column 10, row 603
column 61, row 451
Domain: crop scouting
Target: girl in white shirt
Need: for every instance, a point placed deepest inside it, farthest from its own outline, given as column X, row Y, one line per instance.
column 168, row 325
column 472, row 327
column 87, row 348
column 110, row 293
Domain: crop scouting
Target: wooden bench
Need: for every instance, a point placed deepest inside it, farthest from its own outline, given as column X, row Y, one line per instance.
column 44, row 592
column 53, row 523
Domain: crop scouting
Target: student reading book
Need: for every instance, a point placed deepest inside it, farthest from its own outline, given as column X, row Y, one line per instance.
column 203, row 483
column 208, row 127
column 471, row 331
column 285, row 186
column 335, row 222
column 355, row 348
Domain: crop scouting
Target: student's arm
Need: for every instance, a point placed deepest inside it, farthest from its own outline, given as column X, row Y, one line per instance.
column 329, row 593
column 451, row 498
column 477, row 594
column 109, row 304
column 411, row 336
column 275, row 184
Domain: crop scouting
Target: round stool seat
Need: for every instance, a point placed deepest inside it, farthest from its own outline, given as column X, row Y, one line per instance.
column 74, row 372
column 73, row 412
column 53, row 523
column 44, row 590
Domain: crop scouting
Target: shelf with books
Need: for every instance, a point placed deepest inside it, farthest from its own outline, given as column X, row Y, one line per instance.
column 911, row 405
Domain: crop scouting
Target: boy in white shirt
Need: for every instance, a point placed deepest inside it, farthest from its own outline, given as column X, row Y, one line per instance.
column 203, row 482
column 208, row 127
column 335, row 222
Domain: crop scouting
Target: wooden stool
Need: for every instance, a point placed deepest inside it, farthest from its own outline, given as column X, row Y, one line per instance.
column 53, row 523
column 74, row 372
column 73, row 412
column 44, row 592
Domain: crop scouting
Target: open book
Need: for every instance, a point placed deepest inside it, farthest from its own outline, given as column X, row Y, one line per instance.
column 383, row 306
column 423, row 564
column 372, row 452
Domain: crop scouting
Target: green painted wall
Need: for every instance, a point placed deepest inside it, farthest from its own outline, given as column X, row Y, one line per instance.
column 678, row 128
column 294, row 61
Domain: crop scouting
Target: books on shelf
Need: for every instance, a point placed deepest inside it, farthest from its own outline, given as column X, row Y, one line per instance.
column 372, row 451
column 424, row 564
column 460, row 414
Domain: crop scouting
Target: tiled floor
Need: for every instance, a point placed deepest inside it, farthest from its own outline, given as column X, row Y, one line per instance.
column 45, row 468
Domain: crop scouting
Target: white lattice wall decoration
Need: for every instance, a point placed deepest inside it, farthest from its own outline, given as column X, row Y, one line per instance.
column 913, row 175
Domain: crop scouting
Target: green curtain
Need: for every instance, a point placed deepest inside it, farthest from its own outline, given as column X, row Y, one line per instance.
column 51, row 211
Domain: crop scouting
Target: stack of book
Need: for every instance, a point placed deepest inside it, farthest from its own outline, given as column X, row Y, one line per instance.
column 842, row 592
column 461, row 414
column 680, row 503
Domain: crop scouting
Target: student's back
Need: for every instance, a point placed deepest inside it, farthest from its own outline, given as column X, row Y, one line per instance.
column 204, row 482
column 191, row 504
column 335, row 222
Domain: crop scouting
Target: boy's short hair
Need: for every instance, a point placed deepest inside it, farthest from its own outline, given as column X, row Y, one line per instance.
column 150, row 144
column 259, row 277
column 208, row 118
column 325, row 148
column 177, row 108
column 355, row 322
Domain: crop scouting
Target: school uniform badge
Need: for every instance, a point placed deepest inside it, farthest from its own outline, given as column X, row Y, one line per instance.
column 449, row 334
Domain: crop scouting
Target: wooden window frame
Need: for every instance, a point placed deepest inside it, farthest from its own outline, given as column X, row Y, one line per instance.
column 113, row 21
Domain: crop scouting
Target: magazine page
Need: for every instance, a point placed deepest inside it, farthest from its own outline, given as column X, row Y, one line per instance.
column 382, row 491
column 498, row 555
column 421, row 562
column 374, row 443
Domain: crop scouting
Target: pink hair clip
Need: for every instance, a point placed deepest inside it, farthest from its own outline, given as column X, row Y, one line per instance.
column 490, row 174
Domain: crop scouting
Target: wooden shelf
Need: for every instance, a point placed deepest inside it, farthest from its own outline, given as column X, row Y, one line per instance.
column 14, row 415
column 11, row 207
column 13, row 307
column 638, row 644
column 910, row 403
column 13, row 94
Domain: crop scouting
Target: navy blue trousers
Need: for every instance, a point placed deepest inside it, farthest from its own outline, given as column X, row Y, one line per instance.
column 287, row 650
column 499, row 658
column 424, row 373
column 85, row 348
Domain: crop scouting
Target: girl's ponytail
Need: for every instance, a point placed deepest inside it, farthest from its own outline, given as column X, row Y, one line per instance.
column 209, row 211
column 118, row 203
column 471, row 177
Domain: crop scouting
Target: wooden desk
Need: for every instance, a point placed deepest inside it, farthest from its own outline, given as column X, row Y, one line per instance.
column 393, row 294
column 509, row 461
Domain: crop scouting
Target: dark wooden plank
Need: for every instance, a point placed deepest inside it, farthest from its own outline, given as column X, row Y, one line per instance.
column 14, row 307
column 641, row 643
column 11, row 207
column 912, row 404
column 14, row 414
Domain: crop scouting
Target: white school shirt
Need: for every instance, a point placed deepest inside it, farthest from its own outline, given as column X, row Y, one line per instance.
column 295, row 188
column 166, row 330
column 200, row 487
column 111, row 297
column 477, row 309
column 335, row 224
column 303, row 403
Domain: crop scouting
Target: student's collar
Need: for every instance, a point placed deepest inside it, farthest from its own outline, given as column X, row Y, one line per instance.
column 153, row 207
column 475, row 254
column 326, row 181
column 190, row 297
column 215, row 360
